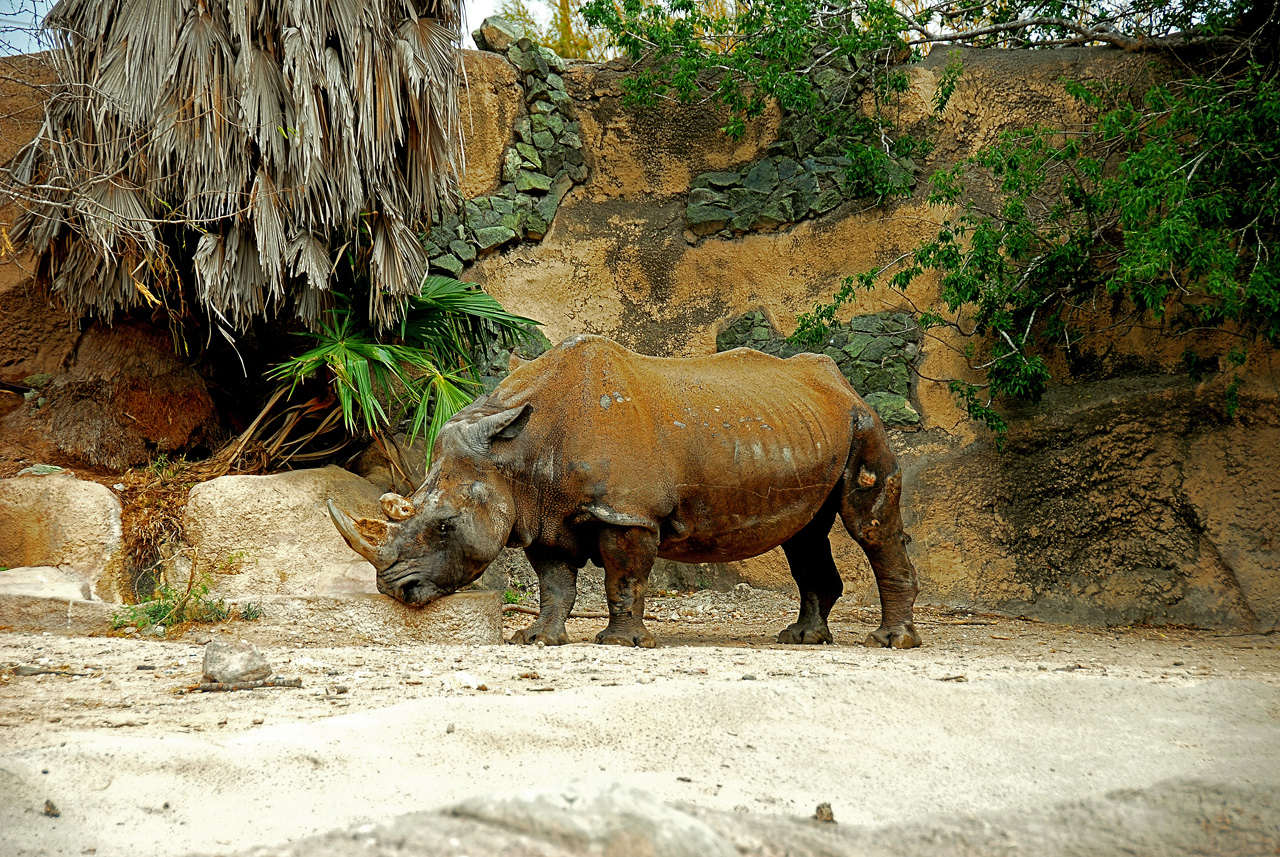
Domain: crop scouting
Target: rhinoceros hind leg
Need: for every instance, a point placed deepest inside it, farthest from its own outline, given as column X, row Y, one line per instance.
column 537, row 633
column 557, row 590
column 796, row 633
column 628, row 555
column 809, row 555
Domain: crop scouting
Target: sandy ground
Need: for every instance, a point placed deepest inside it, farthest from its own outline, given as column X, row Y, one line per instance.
column 991, row 714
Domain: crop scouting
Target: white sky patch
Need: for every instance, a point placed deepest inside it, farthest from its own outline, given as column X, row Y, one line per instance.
column 20, row 21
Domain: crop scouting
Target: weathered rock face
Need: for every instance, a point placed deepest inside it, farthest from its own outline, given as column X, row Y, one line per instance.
column 270, row 535
column 1111, row 503
column 119, row 396
column 1124, row 502
column 60, row 521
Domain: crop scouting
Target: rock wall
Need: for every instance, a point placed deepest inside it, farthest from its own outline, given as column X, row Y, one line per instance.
column 1126, row 496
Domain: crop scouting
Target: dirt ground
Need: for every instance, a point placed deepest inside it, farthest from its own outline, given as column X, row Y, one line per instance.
column 990, row 713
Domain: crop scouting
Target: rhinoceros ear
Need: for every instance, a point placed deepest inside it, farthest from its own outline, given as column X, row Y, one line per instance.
column 501, row 426
column 366, row 537
column 515, row 362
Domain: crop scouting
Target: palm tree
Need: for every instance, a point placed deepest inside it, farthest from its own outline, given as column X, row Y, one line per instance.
column 243, row 155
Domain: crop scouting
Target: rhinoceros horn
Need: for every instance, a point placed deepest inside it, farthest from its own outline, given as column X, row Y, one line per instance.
column 351, row 531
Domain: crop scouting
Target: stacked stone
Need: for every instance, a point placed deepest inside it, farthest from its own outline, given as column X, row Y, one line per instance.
column 874, row 352
column 543, row 165
column 774, row 191
column 806, row 173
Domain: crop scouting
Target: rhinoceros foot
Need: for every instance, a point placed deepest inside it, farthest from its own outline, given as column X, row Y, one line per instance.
column 797, row 633
column 532, row 635
column 627, row 633
column 902, row 636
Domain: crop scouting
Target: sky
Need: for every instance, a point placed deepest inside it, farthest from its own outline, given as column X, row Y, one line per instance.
column 19, row 19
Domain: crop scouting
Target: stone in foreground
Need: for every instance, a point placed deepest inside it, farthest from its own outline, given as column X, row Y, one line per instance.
column 227, row 663
column 467, row 618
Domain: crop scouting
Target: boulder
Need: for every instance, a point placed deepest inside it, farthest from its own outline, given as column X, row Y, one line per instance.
column 497, row 34
column 45, row 582
column 20, row 611
column 464, row 618
column 1172, row 818
column 271, row 535
column 227, row 663
column 591, row 819
column 57, row 520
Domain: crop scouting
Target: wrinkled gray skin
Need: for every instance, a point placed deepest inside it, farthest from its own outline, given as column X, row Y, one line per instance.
column 594, row 453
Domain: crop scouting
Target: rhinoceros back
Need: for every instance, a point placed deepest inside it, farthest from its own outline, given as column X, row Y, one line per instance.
column 721, row 453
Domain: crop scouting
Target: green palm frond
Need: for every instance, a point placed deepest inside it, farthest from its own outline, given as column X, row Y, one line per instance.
column 425, row 378
column 450, row 318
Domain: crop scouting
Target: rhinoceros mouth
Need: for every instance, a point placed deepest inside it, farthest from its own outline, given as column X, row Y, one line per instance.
column 410, row 589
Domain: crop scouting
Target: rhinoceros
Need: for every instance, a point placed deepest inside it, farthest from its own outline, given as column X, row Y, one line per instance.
column 593, row 452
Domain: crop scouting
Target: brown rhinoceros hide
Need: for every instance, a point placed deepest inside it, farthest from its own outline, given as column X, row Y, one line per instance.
column 594, row 452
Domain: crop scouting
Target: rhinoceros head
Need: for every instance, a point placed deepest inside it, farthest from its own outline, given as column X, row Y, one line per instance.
column 445, row 536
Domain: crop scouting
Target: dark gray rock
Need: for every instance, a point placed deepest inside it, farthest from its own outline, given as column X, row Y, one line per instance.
column 448, row 262
column 763, row 176
column 496, row 34
column 554, row 60
column 707, row 196
column 463, row 250
column 826, row 200
column 524, row 129
column 493, row 236
column 528, row 180
column 894, row 410
column 563, row 103
column 529, row 157
column 718, row 180
column 536, row 226
column 704, row 219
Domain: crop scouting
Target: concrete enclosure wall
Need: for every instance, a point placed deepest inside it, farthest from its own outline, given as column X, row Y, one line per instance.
column 1128, row 495
column 1116, row 501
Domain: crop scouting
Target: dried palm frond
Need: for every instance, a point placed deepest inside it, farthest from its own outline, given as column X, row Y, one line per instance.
column 235, row 147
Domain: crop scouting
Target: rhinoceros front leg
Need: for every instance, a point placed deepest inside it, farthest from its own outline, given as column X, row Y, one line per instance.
column 557, row 590
column 628, row 558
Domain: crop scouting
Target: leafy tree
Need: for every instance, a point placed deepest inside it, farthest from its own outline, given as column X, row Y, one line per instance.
column 1170, row 199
